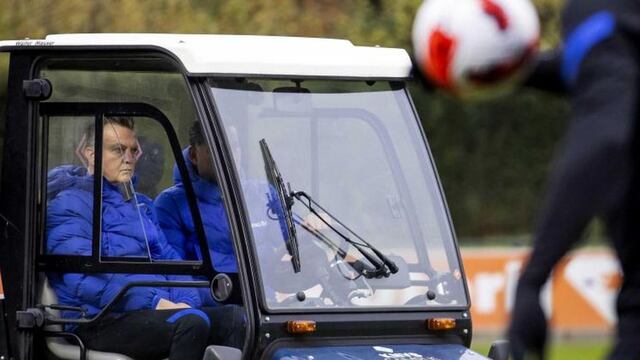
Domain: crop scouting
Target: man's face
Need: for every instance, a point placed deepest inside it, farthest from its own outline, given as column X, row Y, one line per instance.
column 199, row 156
column 119, row 153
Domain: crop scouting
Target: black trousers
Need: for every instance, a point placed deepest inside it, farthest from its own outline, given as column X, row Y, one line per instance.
column 157, row 334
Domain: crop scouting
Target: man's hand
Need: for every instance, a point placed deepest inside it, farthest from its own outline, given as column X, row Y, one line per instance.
column 165, row 304
column 314, row 223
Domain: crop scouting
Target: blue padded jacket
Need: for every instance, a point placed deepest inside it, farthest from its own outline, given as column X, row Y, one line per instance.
column 175, row 220
column 124, row 229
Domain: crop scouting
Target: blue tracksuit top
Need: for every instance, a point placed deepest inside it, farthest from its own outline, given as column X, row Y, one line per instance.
column 175, row 220
column 69, row 232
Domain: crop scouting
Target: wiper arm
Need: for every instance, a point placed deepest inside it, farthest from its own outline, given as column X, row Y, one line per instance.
column 382, row 265
column 285, row 201
column 360, row 267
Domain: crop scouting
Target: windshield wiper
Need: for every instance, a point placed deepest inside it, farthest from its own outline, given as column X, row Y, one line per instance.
column 285, row 201
column 382, row 265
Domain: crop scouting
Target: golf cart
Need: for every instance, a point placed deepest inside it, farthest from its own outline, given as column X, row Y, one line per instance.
column 343, row 241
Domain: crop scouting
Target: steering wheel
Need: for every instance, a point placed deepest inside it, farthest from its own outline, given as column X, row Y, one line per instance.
column 335, row 288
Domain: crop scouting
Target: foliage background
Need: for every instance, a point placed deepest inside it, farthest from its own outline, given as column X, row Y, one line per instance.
column 492, row 157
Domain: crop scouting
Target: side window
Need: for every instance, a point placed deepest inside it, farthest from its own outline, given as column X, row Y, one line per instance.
column 69, row 187
column 133, row 164
column 143, row 194
column 133, row 167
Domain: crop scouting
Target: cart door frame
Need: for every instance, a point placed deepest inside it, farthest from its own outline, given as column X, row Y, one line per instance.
column 18, row 246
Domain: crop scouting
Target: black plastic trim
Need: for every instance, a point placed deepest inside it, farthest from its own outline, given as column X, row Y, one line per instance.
column 105, row 310
column 4, row 347
column 233, row 200
column 15, row 247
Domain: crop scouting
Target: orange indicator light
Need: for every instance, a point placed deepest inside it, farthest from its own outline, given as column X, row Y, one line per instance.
column 299, row 327
column 441, row 324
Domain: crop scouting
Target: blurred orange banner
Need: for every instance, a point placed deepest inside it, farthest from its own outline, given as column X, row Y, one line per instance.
column 579, row 298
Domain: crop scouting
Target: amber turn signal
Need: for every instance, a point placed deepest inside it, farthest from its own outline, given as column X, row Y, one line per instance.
column 441, row 324
column 299, row 327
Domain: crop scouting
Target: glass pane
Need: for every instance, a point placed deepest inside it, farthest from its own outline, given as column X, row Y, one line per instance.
column 356, row 149
column 173, row 211
column 69, row 188
column 384, row 221
column 155, row 177
column 165, row 90
column 133, row 167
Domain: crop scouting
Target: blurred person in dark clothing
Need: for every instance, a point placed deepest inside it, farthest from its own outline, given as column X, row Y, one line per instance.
column 150, row 166
column 596, row 173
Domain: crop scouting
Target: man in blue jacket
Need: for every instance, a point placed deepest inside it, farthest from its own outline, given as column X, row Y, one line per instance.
column 174, row 215
column 175, row 219
column 150, row 322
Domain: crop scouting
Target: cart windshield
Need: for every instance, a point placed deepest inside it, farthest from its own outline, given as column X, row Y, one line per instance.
column 340, row 189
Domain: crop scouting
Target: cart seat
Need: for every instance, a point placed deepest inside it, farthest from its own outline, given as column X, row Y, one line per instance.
column 65, row 350
column 59, row 346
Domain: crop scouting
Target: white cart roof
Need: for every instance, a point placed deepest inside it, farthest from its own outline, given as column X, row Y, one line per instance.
column 249, row 55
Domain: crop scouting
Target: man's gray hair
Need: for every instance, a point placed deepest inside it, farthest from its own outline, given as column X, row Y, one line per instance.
column 90, row 131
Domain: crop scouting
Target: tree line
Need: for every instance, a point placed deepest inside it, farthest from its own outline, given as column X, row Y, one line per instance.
column 492, row 157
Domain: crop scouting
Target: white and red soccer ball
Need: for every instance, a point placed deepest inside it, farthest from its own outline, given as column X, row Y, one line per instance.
column 475, row 48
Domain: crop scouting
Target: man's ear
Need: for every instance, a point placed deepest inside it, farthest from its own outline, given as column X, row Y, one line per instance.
column 89, row 154
column 193, row 157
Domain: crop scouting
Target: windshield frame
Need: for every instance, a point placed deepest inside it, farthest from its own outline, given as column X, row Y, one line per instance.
column 235, row 202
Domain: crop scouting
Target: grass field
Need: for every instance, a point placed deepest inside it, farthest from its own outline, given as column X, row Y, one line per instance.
column 564, row 350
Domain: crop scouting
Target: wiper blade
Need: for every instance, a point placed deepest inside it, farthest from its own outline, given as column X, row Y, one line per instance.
column 382, row 265
column 285, row 202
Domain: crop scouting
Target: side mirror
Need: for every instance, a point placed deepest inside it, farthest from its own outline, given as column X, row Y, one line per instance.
column 37, row 89
column 221, row 287
column 499, row 350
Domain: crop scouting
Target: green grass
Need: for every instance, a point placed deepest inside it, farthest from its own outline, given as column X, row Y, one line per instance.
column 564, row 350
